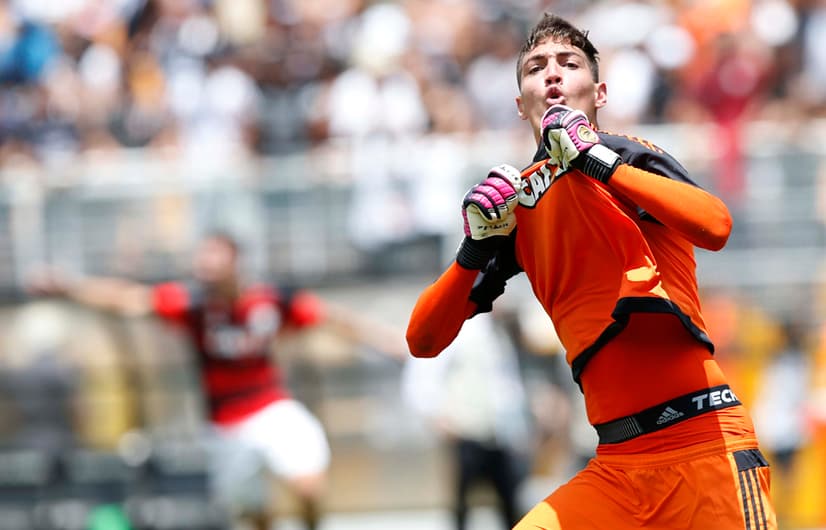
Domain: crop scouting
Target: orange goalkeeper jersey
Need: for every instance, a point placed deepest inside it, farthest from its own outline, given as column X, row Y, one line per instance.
column 595, row 259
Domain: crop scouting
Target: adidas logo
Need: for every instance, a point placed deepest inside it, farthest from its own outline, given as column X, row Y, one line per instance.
column 669, row 414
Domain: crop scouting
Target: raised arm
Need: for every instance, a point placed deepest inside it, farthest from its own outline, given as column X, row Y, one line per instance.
column 118, row 295
column 696, row 214
column 440, row 312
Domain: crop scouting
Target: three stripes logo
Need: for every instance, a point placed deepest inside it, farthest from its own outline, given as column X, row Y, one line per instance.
column 669, row 414
column 757, row 511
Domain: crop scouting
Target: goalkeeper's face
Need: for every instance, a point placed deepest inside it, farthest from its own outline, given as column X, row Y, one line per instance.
column 556, row 73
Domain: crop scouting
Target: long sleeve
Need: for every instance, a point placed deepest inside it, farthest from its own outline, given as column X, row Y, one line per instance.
column 440, row 312
column 699, row 216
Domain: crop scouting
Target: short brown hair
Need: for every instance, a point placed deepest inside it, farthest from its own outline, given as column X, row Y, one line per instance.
column 557, row 28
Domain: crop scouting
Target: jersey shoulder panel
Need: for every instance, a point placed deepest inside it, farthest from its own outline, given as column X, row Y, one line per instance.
column 171, row 300
column 304, row 308
column 645, row 155
column 637, row 152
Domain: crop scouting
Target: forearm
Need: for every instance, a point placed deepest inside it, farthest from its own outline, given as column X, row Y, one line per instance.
column 376, row 334
column 699, row 216
column 111, row 294
column 440, row 312
column 488, row 212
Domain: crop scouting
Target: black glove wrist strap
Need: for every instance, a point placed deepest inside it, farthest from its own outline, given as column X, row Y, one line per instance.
column 598, row 162
column 474, row 254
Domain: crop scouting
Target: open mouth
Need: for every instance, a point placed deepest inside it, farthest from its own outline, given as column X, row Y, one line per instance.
column 554, row 97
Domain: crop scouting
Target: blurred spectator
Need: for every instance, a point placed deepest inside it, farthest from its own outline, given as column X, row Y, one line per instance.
column 490, row 78
column 473, row 395
column 627, row 66
column 28, row 48
column 729, row 90
column 215, row 105
column 780, row 409
column 564, row 436
column 239, row 77
column 813, row 44
column 394, row 94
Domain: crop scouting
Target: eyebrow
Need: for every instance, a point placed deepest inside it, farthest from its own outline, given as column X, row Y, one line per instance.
column 544, row 56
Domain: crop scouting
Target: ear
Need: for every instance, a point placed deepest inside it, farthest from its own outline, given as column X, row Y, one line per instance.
column 600, row 95
column 520, row 108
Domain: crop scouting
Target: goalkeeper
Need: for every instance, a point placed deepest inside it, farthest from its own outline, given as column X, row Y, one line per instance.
column 604, row 227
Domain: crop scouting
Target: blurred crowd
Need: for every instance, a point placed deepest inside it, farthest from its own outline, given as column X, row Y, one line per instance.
column 217, row 80
column 222, row 78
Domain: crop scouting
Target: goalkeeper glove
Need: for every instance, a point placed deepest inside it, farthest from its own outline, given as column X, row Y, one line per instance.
column 571, row 142
column 488, row 214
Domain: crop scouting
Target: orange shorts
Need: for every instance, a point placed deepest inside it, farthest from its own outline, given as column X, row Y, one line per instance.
column 712, row 485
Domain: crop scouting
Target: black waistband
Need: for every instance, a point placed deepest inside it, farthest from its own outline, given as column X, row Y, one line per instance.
column 666, row 414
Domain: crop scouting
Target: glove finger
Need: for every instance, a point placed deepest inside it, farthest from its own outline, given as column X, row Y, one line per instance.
column 497, row 191
column 567, row 148
column 504, row 210
column 486, row 199
column 502, row 186
column 512, row 202
column 573, row 116
column 473, row 210
column 553, row 147
column 508, row 173
column 486, row 194
column 480, row 205
column 554, row 116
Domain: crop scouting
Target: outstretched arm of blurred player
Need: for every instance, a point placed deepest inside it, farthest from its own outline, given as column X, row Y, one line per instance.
column 118, row 295
column 354, row 325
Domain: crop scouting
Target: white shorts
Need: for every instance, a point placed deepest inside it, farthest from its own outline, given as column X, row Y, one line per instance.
column 283, row 438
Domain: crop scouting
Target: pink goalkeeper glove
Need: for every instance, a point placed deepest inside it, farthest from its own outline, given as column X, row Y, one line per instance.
column 571, row 142
column 488, row 207
column 488, row 213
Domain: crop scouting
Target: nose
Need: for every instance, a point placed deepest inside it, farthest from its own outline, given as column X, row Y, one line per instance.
column 552, row 74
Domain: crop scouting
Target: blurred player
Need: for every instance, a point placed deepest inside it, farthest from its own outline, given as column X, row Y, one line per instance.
column 232, row 327
column 604, row 227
